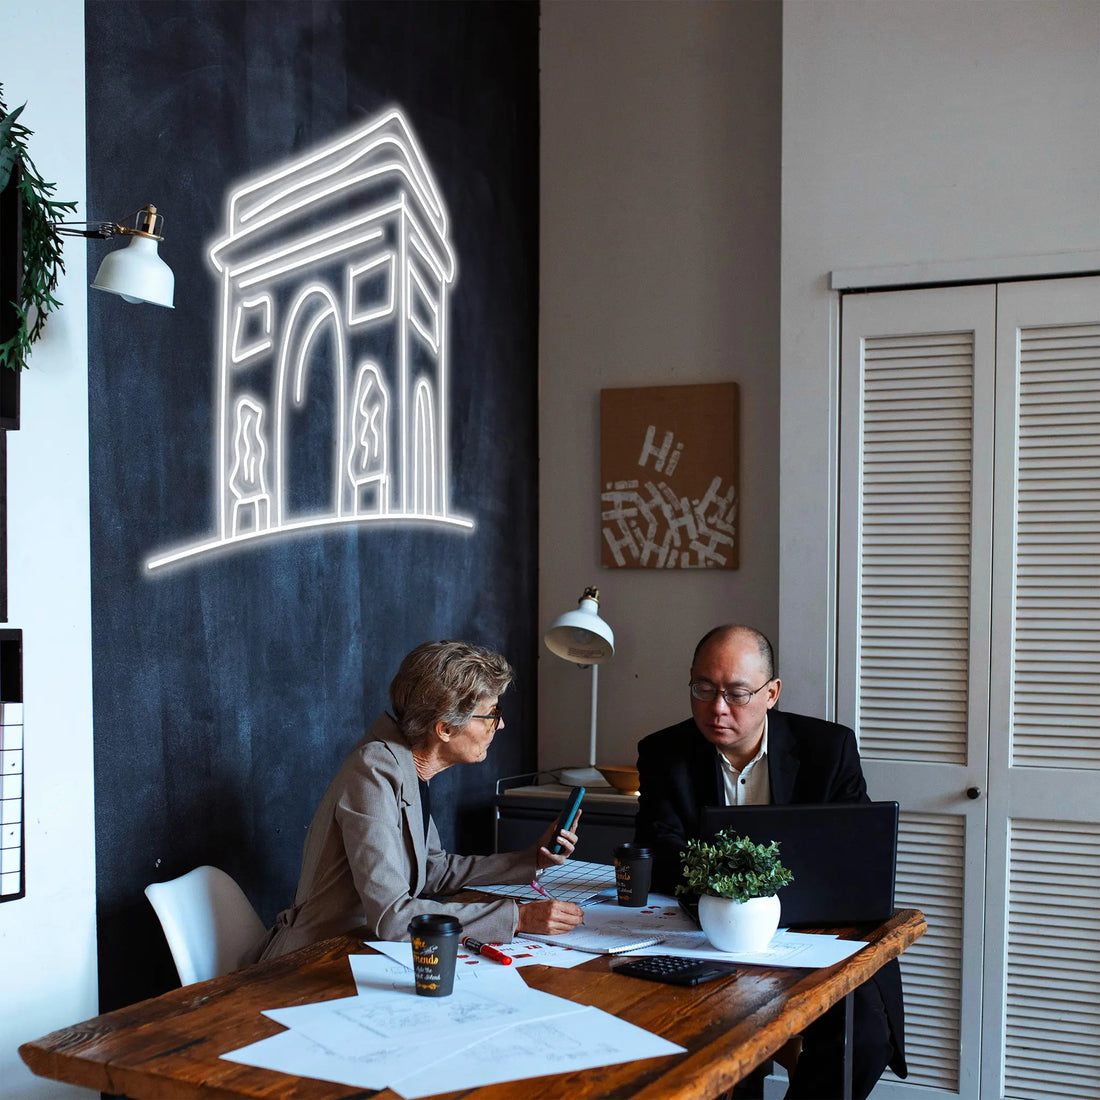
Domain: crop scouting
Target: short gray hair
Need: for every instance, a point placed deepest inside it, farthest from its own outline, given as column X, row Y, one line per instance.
column 444, row 681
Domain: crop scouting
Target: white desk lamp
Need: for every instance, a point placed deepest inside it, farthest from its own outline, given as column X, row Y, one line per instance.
column 582, row 637
column 136, row 273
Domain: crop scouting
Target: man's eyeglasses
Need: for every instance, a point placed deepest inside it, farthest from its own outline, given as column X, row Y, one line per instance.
column 707, row 693
column 495, row 718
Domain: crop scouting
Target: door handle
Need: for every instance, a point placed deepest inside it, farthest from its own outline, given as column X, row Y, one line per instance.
column 973, row 792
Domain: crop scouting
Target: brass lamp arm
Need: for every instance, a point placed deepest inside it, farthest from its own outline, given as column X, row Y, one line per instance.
column 145, row 224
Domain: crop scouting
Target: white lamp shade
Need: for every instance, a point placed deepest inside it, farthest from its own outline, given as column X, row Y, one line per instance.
column 137, row 273
column 581, row 636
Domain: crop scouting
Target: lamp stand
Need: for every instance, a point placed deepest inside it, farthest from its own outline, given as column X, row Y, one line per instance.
column 588, row 777
column 592, row 730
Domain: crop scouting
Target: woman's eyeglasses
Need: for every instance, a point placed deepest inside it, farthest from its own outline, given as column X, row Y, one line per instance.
column 495, row 718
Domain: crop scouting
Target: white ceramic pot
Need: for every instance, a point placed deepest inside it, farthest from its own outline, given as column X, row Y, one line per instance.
column 739, row 925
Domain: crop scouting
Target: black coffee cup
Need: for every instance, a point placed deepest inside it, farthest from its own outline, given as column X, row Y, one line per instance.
column 633, row 873
column 435, row 947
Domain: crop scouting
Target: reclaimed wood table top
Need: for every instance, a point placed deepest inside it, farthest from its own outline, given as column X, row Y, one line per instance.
column 169, row 1046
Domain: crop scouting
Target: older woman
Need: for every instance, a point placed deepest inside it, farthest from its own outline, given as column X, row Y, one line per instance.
column 372, row 858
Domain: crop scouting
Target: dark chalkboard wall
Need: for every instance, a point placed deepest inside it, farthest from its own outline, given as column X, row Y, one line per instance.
column 227, row 689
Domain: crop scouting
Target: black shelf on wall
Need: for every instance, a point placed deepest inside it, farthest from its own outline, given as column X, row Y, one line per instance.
column 11, row 288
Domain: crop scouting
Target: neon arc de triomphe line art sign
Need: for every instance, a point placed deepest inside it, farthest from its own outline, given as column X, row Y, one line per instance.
column 335, row 272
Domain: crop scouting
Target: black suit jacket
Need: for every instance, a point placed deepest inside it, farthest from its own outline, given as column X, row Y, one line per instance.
column 809, row 761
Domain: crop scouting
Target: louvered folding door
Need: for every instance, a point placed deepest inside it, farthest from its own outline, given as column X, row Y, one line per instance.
column 1042, row 950
column 913, row 625
column 969, row 662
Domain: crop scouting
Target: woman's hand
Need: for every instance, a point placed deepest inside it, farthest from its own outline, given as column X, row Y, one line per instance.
column 549, row 918
column 567, row 838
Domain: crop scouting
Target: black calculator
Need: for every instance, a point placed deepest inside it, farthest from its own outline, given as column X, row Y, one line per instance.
column 675, row 970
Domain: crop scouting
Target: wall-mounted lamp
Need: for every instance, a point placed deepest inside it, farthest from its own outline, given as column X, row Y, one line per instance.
column 582, row 637
column 136, row 273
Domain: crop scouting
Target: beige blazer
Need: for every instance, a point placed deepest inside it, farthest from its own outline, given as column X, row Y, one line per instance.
column 366, row 866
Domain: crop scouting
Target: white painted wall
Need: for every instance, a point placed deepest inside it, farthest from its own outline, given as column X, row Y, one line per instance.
column 659, row 266
column 47, row 939
column 935, row 132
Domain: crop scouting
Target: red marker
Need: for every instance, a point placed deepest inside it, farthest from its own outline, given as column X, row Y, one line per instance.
column 479, row 948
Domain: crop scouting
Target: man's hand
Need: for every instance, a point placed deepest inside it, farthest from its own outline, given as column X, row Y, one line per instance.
column 566, row 837
column 549, row 918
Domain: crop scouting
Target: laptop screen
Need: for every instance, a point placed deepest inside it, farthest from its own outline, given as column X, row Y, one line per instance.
column 843, row 856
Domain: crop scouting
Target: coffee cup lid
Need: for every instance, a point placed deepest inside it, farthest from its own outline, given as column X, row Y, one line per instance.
column 436, row 924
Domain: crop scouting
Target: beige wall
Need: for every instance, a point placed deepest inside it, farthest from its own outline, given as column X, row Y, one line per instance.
column 659, row 265
column 952, row 134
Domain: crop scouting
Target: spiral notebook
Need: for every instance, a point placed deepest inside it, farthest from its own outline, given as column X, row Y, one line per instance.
column 601, row 943
column 612, row 929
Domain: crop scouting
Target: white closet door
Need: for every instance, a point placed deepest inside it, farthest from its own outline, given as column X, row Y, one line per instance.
column 1041, row 1019
column 916, row 466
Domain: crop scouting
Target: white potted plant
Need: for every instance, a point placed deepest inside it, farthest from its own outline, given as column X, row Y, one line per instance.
column 736, row 883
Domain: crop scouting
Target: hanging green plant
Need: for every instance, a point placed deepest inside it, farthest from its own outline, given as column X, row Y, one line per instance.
column 43, row 262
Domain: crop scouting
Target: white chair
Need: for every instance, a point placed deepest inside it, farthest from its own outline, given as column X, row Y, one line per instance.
column 208, row 922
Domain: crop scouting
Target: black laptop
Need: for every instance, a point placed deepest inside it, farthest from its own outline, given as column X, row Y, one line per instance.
column 842, row 854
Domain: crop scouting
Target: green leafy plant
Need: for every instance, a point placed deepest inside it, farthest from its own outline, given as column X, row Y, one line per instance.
column 43, row 262
column 733, row 867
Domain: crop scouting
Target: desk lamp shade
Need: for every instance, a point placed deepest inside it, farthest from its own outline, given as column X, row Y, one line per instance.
column 137, row 273
column 582, row 637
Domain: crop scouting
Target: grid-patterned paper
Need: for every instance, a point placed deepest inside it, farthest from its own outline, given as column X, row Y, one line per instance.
column 11, row 801
column 571, row 881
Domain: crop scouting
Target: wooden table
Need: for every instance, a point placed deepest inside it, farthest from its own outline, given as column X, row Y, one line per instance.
column 169, row 1047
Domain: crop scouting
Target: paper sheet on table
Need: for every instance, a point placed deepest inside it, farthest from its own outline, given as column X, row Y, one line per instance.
column 582, row 1040
column 382, row 970
column 680, row 936
column 297, row 1054
column 381, row 1018
column 523, row 952
column 610, row 925
column 532, row 952
column 780, row 952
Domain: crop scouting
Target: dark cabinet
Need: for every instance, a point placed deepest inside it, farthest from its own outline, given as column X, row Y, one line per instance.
column 523, row 812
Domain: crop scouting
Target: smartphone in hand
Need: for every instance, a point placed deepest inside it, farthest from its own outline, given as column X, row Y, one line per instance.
column 568, row 816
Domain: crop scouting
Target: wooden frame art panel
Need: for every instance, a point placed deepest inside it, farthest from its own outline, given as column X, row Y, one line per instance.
column 669, row 477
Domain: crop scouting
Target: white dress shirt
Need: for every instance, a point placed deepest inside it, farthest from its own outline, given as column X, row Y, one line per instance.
column 750, row 786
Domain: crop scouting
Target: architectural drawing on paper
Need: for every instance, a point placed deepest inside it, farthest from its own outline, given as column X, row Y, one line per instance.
column 669, row 474
column 331, row 383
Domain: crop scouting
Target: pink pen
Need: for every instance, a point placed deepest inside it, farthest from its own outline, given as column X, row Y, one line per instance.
column 479, row 948
column 539, row 888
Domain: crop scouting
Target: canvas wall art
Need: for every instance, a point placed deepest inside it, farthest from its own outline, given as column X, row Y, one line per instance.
column 669, row 469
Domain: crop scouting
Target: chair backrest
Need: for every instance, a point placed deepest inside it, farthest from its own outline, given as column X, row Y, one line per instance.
column 208, row 922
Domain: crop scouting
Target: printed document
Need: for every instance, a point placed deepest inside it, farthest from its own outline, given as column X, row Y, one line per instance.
column 608, row 925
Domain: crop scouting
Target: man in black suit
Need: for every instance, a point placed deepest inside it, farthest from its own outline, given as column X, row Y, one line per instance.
column 737, row 750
